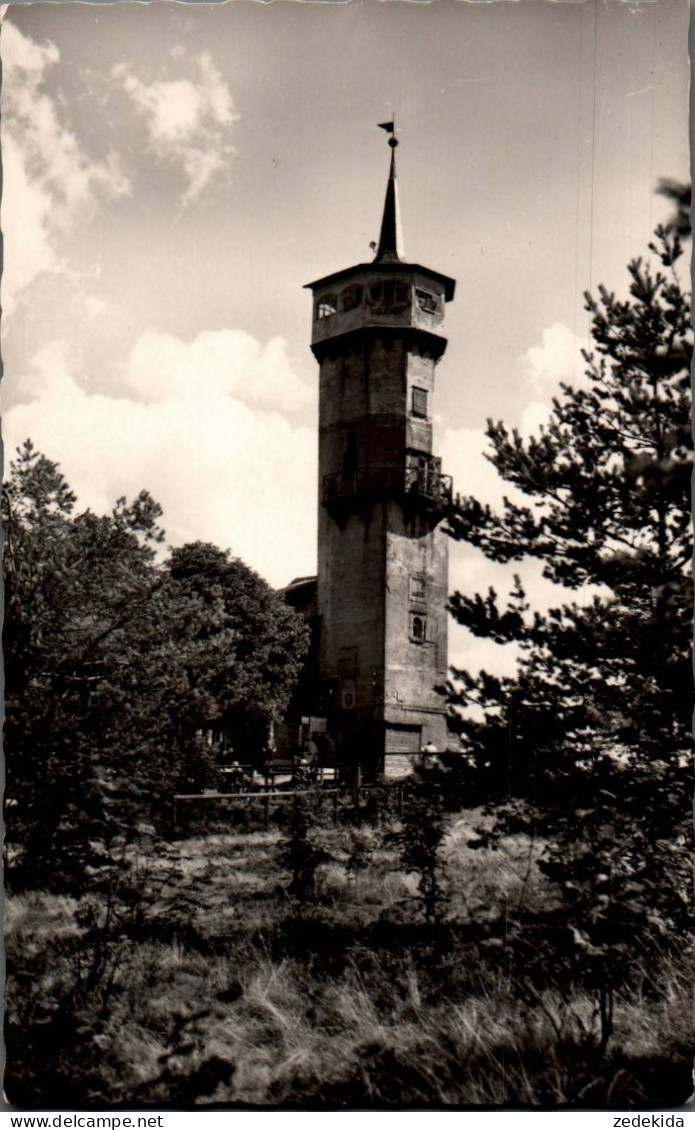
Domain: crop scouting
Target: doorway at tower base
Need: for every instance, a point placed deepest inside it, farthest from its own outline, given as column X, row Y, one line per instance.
column 387, row 748
column 402, row 745
column 400, row 765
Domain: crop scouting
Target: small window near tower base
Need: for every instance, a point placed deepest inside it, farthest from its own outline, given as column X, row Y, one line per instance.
column 348, row 692
column 419, row 407
column 326, row 306
column 418, row 627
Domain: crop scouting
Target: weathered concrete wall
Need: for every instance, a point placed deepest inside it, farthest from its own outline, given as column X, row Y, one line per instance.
column 417, row 586
column 381, row 562
column 352, row 607
column 362, row 392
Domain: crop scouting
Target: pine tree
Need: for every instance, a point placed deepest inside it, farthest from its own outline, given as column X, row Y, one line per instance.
column 421, row 837
column 589, row 745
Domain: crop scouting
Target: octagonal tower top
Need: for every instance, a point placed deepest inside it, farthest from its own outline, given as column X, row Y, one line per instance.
column 389, row 292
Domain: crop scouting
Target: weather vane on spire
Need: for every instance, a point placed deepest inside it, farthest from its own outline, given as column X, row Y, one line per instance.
column 390, row 246
column 390, row 127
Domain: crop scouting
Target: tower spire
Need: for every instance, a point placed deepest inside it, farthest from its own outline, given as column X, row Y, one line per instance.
column 390, row 247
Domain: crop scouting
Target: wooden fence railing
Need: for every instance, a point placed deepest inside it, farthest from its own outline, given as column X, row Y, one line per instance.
column 352, row 796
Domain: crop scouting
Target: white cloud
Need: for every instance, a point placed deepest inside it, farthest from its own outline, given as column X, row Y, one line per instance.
column 535, row 413
column 26, row 211
column 558, row 358
column 463, row 457
column 188, row 121
column 471, row 572
column 216, row 363
column 468, row 653
column 48, row 178
column 463, row 452
column 225, row 472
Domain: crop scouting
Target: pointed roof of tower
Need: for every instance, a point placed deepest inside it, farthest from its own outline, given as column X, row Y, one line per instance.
column 390, row 249
column 391, row 240
column 390, row 256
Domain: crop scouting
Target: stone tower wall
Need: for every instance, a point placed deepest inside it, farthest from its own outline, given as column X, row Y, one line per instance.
column 380, row 563
column 417, row 586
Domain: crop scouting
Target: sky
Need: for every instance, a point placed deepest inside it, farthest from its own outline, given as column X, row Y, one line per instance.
column 176, row 173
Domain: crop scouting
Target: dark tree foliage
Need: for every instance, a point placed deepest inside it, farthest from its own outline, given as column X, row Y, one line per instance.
column 681, row 197
column 113, row 665
column 269, row 641
column 589, row 746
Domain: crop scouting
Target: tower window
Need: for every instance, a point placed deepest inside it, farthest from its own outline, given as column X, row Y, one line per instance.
column 419, row 405
column 401, row 294
column 326, row 306
column 389, row 293
column 418, row 627
column 426, row 301
column 416, row 590
column 348, row 693
column 351, row 297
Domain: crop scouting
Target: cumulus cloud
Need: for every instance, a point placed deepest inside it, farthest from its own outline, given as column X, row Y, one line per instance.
column 534, row 415
column 471, row 572
column 464, row 457
column 223, row 470
column 544, row 366
column 187, row 120
column 464, row 453
column 48, row 177
column 558, row 358
column 216, row 363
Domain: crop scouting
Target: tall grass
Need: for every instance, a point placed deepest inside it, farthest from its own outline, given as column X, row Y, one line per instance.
column 227, row 992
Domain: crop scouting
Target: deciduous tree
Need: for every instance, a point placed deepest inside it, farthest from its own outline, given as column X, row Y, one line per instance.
column 114, row 661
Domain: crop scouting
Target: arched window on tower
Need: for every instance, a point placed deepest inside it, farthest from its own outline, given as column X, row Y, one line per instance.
column 418, row 627
column 326, row 305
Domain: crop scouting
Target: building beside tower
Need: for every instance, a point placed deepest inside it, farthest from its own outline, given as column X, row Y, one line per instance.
column 379, row 601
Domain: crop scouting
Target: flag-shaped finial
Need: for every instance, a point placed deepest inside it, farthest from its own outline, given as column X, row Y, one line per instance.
column 390, row 127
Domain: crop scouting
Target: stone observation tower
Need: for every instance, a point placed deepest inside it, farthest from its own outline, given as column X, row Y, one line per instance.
column 382, row 556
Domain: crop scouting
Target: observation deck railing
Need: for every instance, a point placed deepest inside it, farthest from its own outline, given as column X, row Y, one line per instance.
column 425, row 484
